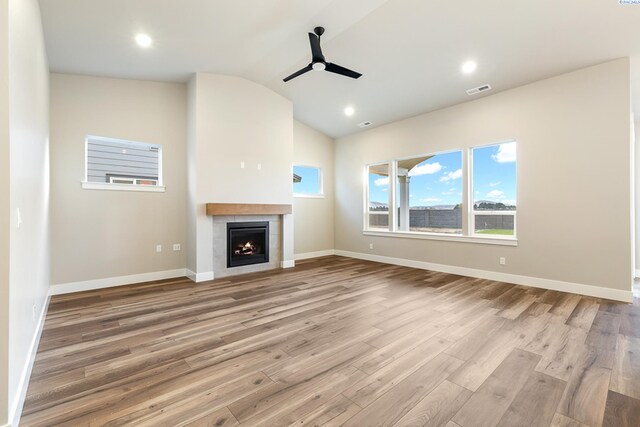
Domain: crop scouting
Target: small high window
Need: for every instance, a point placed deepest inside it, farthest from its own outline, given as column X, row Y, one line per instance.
column 307, row 181
column 115, row 163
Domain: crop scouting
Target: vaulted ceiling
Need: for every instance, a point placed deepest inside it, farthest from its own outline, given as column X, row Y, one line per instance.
column 410, row 51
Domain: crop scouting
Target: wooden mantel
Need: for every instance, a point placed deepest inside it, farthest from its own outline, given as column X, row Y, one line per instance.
column 247, row 209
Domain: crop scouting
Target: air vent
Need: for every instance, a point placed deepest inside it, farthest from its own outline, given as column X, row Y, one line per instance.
column 364, row 124
column 478, row 89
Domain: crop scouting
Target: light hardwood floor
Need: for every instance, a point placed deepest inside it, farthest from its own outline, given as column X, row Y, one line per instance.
column 336, row 341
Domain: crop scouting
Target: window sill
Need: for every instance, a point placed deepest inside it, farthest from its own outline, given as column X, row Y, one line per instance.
column 497, row 240
column 309, row 196
column 123, row 187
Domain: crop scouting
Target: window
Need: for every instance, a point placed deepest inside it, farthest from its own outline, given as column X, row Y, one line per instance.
column 117, row 164
column 378, row 196
column 459, row 195
column 307, row 181
column 429, row 193
column 494, row 189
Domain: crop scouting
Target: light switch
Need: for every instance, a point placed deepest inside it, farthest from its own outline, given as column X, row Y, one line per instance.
column 18, row 218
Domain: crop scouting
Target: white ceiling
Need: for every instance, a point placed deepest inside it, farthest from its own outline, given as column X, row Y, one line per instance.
column 410, row 51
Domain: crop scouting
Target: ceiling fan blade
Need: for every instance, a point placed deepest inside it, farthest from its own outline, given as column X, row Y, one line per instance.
column 316, row 51
column 298, row 73
column 337, row 69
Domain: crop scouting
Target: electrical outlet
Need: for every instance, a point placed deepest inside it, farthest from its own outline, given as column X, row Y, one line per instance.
column 34, row 311
column 158, row 248
column 241, row 165
column 259, row 166
column 503, row 260
column 370, row 245
column 176, row 246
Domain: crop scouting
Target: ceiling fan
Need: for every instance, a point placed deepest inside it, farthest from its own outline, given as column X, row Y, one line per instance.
column 318, row 63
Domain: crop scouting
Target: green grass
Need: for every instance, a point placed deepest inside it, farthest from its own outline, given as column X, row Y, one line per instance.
column 497, row 231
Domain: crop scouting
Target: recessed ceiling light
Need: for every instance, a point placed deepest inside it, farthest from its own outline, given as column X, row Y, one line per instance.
column 349, row 111
column 469, row 67
column 143, row 40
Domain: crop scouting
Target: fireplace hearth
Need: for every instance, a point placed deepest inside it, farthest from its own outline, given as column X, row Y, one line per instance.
column 247, row 243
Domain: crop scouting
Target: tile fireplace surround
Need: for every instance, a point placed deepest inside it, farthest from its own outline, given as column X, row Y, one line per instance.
column 221, row 214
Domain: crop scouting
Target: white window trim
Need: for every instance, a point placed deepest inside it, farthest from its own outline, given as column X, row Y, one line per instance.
column 123, row 187
column 468, row 234
column 366, row 211
column 89, row 185
column 472, row 212
column 308, row 196
column 321, row 194
column 485, row 239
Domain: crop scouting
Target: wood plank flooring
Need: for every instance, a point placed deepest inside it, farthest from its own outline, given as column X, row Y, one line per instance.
column 336, row 341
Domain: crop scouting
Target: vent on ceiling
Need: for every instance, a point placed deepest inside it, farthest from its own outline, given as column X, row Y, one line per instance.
column 364, row 124
column 479, row 89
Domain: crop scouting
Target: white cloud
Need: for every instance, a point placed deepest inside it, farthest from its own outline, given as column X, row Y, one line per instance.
column 496, row 194
column 426, row 169
column 509, row 202
column 380, row 182
column 506, row 153
column 448, row 193
column 431, row 199
column 451, row 176
column 384, row 189
column 493, row 184
column 410, row 195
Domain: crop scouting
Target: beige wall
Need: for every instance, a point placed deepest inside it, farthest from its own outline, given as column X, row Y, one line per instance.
column 573, row 174
column 4, row 212
column 233, row 120
column 313, row 217
column 101, row 234
column 29, row 188
column 636, row 138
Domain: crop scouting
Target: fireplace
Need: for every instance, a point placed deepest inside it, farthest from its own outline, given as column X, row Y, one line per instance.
column 247, row 243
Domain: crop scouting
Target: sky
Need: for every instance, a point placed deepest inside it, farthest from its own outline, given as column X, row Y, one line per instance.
column 310, row 180
column 438, row 180
column 494, row 173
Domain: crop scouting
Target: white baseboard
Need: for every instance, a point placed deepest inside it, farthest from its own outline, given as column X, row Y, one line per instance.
column 535, row 282
column 21, row 393
column 199, row 277
column 317, row 254
column 288, row 264
column 109, row 282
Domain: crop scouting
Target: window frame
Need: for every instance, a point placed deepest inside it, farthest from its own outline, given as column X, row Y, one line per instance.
column 468, row 234
column 471, row 193
column 367, row 212
column 321, row 194
column 455, row 150
column 91, row 185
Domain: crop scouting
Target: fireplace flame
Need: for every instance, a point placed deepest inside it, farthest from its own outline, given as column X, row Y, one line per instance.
column 246, row 249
